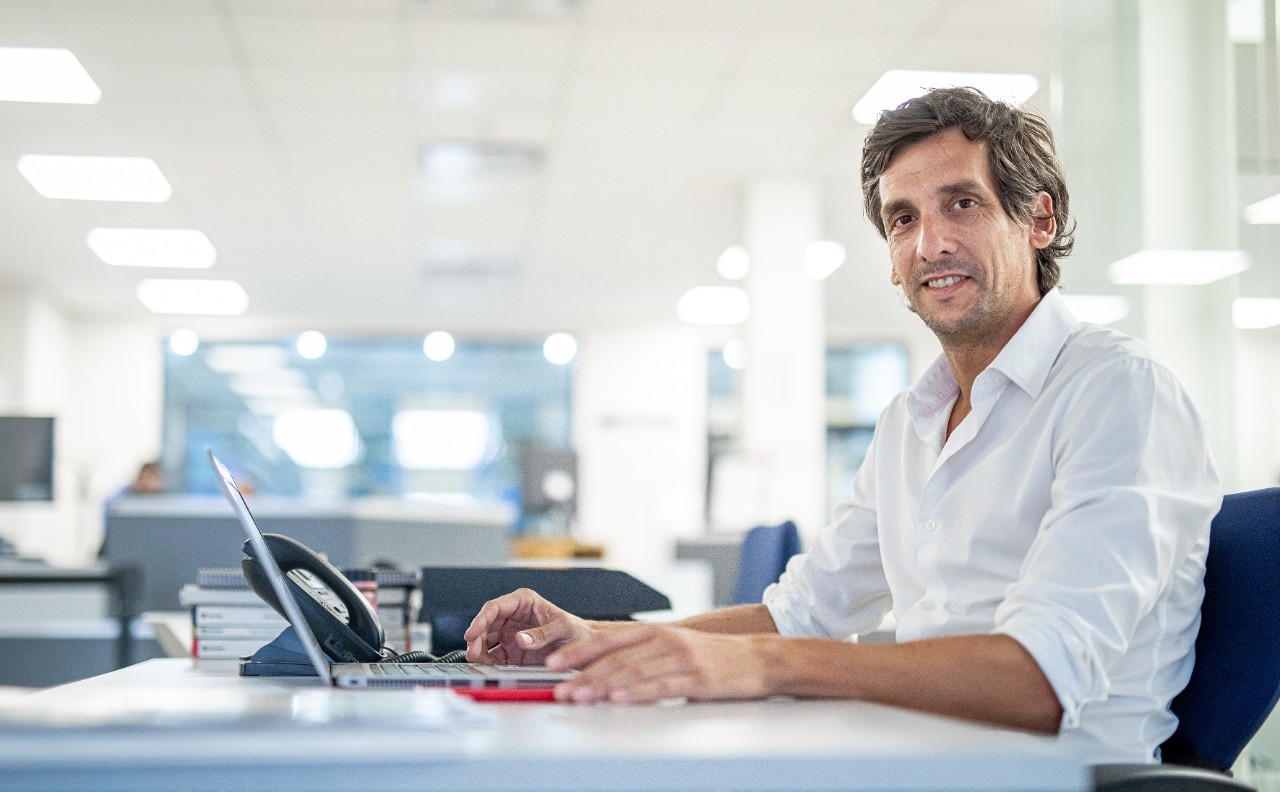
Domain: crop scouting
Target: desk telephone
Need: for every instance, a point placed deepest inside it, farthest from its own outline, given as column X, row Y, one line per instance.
column 344, row 622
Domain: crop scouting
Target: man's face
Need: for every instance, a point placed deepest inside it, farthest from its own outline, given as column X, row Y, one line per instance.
column 967, row 268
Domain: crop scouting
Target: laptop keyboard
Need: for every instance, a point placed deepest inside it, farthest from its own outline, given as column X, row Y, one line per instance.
column 428, row 670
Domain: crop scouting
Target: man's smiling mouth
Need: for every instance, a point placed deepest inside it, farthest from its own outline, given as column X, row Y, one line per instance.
column 942, row 283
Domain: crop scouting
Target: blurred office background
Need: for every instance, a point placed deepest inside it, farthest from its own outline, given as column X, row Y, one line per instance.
column 599, row 263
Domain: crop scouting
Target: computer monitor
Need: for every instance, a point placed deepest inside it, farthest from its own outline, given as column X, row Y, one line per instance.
column 548, row 480
column 26, row 458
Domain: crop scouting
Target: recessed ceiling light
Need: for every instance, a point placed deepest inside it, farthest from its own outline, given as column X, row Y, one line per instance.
column 1097, row 308
column 153, row 247
column 735, row 354
column 714, row 305
column 438, row 346
column 1178, row 267
column 95, row 178
column 1265, row 211
column 734, row 263
column 211, row 297
column 312, row 344
column 823, row 257
column 1255, row 313
column 560, row 348
column 184, row 342
column 898, row 85
column 45, row 74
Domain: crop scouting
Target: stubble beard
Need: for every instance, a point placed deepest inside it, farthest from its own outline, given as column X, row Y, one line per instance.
column 971, row 326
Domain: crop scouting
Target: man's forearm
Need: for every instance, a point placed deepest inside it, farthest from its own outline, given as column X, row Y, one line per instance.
column 738, row 619
column 988, row 678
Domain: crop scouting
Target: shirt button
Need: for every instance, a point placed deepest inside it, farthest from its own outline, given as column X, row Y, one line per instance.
column 927, row 606
column 931, row 525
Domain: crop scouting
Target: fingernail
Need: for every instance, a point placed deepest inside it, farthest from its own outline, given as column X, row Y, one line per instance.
column 525, row 638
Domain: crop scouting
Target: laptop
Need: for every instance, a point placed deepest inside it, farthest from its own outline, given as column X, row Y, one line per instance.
column 376, row 675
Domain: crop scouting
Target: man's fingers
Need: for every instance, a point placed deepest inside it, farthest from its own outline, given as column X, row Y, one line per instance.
column 581, row 653
column 546, row 635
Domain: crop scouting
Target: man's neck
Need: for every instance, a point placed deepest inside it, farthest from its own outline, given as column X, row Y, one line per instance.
column 967, row 362
column 968, row 358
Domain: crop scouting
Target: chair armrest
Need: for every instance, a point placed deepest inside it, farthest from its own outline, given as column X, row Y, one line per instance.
column 1163, row 778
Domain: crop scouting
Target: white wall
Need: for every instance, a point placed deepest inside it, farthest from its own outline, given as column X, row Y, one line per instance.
column 103, row 383
column 640, row 430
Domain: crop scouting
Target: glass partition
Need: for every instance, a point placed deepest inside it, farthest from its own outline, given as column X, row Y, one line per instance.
column 367, row 417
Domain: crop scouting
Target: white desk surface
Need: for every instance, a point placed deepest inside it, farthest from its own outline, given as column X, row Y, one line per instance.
column 163, row 724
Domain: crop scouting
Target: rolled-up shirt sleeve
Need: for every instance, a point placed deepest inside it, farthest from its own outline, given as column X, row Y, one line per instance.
column 1132, row 498
column 838, row 587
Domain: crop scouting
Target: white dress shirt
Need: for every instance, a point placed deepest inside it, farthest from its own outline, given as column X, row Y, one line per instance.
column 1069, row 510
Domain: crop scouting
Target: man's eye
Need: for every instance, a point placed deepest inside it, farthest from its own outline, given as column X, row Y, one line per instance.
column 965, row 203
column 901, row 220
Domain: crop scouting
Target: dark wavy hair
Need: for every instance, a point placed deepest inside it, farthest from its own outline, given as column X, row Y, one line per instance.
column 1019, row 147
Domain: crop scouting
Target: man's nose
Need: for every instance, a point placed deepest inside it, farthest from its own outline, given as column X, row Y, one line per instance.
column 935, row 239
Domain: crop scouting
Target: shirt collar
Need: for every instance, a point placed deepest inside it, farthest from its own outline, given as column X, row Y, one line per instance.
column 1026, row 359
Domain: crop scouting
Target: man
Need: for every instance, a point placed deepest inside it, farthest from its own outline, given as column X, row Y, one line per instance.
column 1035, row 510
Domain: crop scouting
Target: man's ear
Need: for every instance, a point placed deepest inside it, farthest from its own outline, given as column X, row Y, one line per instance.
column 893, row 275
column 1043, row 225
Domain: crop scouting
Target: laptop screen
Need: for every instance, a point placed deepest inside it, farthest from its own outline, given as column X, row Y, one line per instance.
column 274, row 574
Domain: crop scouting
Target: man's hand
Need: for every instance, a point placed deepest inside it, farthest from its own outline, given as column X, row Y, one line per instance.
column 521, row 628
column 643, row 663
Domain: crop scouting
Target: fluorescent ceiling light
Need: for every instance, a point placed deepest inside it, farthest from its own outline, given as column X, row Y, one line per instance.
column 1097, row 308
column 1178, row 267
column 734, row 263
column 95, row 178
column 211, row 297
column 898, row 85
column 248, row 387
column 1246, row 22
column 246, row 358
column 440, row 439
column 714, row 305
column 182, row 248
column 45, row 74
column 823, row 257
column 1265, row 211
column 312, row 344
column 317, row 438
column 560, row 348
column 1255, row 313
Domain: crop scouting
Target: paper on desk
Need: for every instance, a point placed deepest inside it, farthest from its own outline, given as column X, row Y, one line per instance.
column 151, row 707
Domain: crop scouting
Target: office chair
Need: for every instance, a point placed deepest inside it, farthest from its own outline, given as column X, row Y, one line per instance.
column 1236, row 679
column 765, row 552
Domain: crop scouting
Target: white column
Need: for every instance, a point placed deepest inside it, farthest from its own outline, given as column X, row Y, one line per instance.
column 1188, row 147
column 1143, row 112
column 784, row 401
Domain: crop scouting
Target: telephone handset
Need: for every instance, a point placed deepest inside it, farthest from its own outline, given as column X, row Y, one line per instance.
column 324, row 595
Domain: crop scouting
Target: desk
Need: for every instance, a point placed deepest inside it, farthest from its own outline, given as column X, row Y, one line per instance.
column 760, row 746
column 121, row 581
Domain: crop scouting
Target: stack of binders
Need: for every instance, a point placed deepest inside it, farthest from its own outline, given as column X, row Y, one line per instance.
column 398, row 602
column 227, row 619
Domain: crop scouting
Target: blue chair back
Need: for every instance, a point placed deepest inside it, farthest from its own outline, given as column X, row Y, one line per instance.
column 765, row 552
column 1236, row 679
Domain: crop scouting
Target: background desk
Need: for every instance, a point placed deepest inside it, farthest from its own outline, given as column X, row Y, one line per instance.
column 168, row 538
column 760, row 746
